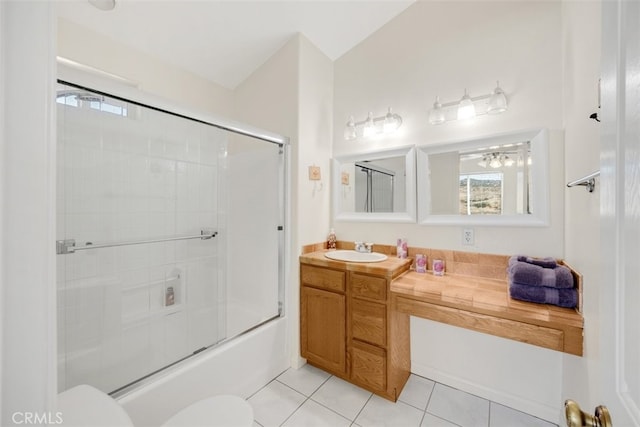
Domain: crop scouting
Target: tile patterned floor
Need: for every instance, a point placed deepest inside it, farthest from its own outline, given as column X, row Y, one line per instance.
column 311, row 397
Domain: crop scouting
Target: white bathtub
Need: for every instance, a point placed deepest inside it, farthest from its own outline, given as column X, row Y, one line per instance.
column 241, row 367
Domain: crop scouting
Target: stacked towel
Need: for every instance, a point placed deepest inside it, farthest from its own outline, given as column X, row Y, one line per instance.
column 541, row 281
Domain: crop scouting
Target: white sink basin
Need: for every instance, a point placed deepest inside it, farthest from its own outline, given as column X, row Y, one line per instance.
column 353, row 256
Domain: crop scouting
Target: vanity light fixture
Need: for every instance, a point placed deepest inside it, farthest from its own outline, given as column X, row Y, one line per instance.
column 469, row 107
column 372, row 126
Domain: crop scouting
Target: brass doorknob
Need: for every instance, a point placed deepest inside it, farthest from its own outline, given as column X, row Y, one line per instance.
column 577, row 418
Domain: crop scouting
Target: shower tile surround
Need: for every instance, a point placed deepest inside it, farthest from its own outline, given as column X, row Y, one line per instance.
column 120, row 182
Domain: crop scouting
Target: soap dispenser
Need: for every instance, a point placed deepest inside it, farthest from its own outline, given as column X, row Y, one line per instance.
column 331, row 240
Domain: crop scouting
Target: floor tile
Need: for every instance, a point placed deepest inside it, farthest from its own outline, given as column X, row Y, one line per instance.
column 458, row 407
column 382, row 412
column 342, row 397
column 312, row 414
column 417, row 391
column 306, row 380
column 274, row 403
column 503, row 416
column 433, row 421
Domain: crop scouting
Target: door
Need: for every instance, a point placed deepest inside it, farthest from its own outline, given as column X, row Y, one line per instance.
column 619, row 361
column 323, row 329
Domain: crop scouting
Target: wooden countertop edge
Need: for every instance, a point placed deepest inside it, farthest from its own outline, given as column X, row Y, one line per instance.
column 390, row 268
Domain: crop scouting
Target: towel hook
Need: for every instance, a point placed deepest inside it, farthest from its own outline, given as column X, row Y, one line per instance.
column 588, row 181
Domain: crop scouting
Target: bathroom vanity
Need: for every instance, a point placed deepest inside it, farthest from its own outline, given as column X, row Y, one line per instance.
column 354, row 317
column 347, row 326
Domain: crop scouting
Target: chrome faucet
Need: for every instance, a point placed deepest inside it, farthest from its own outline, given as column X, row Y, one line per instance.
column 363, row 247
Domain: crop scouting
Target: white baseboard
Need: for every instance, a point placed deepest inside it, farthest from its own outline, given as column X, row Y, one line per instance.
column 540, row 410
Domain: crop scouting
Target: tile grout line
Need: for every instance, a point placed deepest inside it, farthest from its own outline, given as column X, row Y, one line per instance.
column 298, row 391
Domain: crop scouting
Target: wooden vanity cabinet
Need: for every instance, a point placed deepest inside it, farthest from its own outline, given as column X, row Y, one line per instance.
column 323, row 311
column 377, row 337
column 347, row 328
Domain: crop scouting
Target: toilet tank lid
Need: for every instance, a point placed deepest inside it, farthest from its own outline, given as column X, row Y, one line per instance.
column 86, row 406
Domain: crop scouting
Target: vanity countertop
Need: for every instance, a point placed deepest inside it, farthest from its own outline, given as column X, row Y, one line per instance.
column 482, row 295
column 483, row 304
column 390, row 268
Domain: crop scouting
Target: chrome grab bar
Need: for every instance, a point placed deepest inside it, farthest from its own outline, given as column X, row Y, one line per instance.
column 588, row 181
column 68, row 246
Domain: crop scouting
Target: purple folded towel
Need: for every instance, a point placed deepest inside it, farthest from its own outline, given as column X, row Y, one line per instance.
column 547, row 262
column 543, row 295
column 534, row 275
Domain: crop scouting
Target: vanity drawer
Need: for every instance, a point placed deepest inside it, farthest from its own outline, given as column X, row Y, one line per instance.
column 368, row 286
column 368, row 321
column 324, row 278
column 369, row 366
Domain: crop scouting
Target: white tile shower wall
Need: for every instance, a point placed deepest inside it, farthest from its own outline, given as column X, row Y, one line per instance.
column 120, row 179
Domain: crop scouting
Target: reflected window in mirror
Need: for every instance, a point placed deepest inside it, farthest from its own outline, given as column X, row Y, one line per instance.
column 495, row 180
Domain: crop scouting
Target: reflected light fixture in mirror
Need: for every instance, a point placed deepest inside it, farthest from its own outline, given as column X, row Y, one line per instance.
column 372, row 126
column 469, row 107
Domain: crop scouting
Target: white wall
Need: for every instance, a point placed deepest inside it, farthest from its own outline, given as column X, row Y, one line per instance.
column 581, row 43
column 27, row 143
column 425, row 52
column 441, row 48
column 150, row 75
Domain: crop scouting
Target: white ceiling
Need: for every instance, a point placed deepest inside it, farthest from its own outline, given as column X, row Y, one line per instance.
column 225, row 41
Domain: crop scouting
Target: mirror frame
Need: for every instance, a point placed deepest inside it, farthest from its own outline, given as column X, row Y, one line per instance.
column 408, row 216
column 539, row 180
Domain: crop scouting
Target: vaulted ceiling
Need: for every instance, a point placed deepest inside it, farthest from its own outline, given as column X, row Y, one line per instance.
column 225, row 41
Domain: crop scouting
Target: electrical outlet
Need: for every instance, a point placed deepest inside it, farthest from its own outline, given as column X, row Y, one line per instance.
column 467, row 236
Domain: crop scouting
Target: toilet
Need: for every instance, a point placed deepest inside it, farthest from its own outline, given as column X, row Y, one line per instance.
column 86, row 406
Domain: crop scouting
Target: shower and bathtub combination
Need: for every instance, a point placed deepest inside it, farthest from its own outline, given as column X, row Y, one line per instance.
column 170, row 243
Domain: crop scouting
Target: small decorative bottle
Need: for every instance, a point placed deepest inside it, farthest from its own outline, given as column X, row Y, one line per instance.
column 421, row 263
column 331, row 240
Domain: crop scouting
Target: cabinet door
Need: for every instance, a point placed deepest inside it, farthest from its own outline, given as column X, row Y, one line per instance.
column 323, row 328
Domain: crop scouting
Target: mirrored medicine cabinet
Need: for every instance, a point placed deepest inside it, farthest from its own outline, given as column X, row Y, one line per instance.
column 498, row 180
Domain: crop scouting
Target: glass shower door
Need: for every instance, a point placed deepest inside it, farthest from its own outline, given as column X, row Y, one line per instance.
column 138, row 288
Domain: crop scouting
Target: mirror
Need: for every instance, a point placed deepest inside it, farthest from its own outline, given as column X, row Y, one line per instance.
column 376, row 186
column 496, row 180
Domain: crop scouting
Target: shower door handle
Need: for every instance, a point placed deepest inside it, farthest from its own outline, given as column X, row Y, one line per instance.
column 69, row 246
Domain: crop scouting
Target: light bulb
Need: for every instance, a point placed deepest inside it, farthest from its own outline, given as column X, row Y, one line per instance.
column 508, row 161
column 369, row 128
column 436, row 115
column 350, row 130
column 392, row 121
column 466, row 109
column 498, row 101
column 483, row 162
